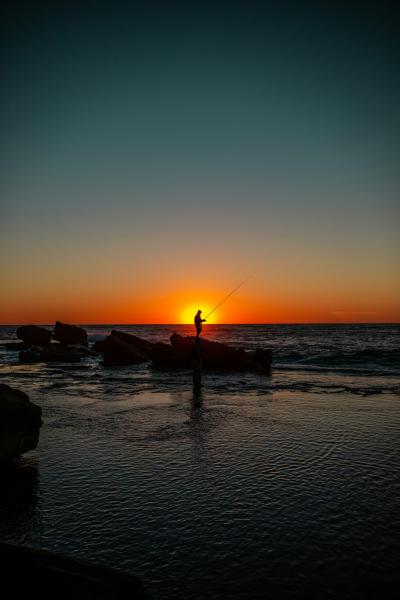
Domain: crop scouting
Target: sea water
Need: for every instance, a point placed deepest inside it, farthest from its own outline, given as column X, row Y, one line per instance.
column 266, row 484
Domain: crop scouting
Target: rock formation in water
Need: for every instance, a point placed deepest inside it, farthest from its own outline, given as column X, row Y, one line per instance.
column 34, row 335
column 98, row 346
column 140, row 344
column 70, row 345
column 33, row 573
column 69, row 334
column 121, row 348
column 55, row 352
column 20, row 422
column 214, row 355
column 15, row 346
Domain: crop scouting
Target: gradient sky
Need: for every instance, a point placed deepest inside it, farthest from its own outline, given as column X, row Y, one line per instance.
column 153, row 155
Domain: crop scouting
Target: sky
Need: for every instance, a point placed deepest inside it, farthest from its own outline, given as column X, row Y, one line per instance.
column 153, row 155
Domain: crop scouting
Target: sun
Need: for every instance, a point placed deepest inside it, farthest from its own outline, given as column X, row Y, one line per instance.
column 188, row 314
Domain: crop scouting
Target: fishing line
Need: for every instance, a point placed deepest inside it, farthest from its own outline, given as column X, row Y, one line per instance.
column 230, row 294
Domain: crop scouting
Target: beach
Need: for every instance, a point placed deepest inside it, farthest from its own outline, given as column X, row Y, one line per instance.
column 264, row 484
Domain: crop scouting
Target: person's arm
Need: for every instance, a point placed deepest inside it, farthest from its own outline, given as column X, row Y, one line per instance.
column 203, row 320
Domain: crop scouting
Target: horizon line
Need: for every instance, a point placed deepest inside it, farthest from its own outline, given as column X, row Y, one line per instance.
column 208, row 325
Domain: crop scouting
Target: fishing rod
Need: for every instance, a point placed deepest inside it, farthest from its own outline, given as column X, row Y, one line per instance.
column 229, row 295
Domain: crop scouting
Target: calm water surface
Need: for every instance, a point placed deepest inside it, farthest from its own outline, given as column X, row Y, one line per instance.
column 262, row 485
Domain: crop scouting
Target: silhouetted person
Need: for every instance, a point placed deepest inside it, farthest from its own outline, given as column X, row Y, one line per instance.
column 198, row 321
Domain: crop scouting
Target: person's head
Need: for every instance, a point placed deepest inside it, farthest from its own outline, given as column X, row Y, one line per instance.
column 199, row 312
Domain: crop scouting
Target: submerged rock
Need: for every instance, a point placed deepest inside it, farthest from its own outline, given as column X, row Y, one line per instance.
column 20, row 422
column 34, row 335
column 69, row 334
column 54, row 353
column 15, row 346
column 31, row 354
column 33, row 573
column 124, row 349
column 214, row 355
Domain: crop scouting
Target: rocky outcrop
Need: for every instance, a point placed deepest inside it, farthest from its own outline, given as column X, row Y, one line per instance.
column 33, row 573
column 34, row 335
column 69, row 334
column 214, row 356
column 124, row 349
column 143, row 346
column 54, row 353
column 165, row 356
column 20, row 422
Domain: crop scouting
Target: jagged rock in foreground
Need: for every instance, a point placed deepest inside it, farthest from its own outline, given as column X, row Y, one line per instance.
column 70, row 334
column 214, row 355
column 20, row 422
column 34, row 335
column 121, row 348
column 54, row 353
column 32, row 573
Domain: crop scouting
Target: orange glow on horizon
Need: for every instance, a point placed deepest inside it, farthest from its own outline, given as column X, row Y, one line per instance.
column 253, row 304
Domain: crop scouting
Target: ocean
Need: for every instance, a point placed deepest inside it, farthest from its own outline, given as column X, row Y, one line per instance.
column 270, row 485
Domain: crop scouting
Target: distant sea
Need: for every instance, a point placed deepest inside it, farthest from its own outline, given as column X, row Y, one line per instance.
column 266, row 486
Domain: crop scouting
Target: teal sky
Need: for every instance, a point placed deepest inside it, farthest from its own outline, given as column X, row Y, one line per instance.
column 167, row 143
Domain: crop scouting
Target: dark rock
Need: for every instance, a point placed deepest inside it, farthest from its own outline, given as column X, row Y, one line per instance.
column 19, row 491
column 98, row 346
column 54, row 353
column 15, row 346
column 33, row 573
column 34, row 335
column 31, row 354
column 117, row 351
column 164, row 356
column 70, row 334
column 262, row 358
column 20, row 422
column 143, row 346
column 214, row 355
column 73, row 348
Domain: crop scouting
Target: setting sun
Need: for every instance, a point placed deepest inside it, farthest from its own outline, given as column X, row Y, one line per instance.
column 187, row 315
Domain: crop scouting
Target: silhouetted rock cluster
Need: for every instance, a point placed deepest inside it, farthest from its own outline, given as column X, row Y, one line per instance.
column 120, row 348
column 71, row 343
column 20, row 422
column 214, row 356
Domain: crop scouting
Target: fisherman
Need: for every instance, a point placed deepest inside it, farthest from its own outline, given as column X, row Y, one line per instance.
column 198, row 321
